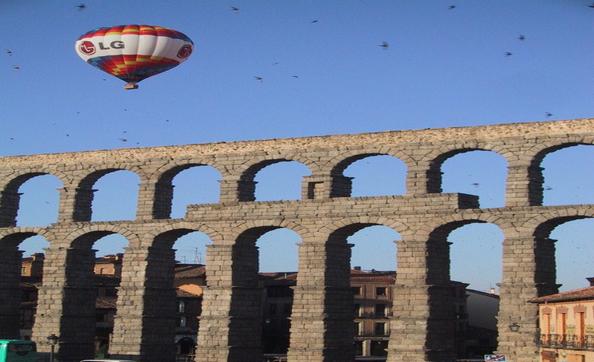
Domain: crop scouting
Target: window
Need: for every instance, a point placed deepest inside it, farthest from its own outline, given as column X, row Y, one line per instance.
column 380, row 310
column 182, row 322
column 357, row 310
column 547, row 324
column 356, row 290
column 181, row 306
column 380, row 329
column 380, row 291
column 357, row 328
column 562, row 323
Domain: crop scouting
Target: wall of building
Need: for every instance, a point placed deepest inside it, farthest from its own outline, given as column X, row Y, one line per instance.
column 562, row 335
column 482, row 309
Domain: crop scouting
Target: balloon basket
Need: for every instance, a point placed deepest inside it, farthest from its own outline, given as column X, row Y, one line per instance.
column 130, row 86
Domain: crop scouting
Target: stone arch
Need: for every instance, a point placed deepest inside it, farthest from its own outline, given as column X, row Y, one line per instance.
column 9, row 192
column 87, row 235
column 168, row 233
column 84, row 192
column 80, row 283
column 449, row 295
column 545, row 251
column 247, row 186
column 535, row 171
column 434, row 174
column 15, row 236
column 163, row 193
column 10, row 276
column 343, row 228
column 544, row 229
column 151, row 299
column 342, row 185
column 250, row 231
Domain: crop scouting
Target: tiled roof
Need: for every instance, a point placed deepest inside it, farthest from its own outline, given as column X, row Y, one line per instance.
column 183, row 294
column 365, row 276
column 183, row 271
column 576, row 294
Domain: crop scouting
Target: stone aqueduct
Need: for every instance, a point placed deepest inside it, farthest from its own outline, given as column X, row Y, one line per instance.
column 321, row 319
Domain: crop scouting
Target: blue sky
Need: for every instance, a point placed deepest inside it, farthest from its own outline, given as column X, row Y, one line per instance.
column 443, row 67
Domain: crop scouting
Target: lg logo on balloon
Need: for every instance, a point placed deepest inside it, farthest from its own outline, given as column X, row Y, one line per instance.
column 87, row 47
column 116, row 44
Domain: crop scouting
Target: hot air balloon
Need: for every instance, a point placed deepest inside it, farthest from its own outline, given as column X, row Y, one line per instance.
column 134, row 52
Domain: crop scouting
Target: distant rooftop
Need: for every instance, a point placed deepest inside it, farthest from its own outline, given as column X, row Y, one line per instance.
column 571, row 295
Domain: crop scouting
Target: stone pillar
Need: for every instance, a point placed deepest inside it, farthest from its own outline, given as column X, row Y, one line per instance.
column 421, row 179
column 325, row 186
column 154, row 200
column 145, row 321
column 235, row 189
column 9, row 207
column 524, row 185
column 67, row 208
column 322, row 316
column 422, row 327
column 231, row 321
column 518, row 286
column 66, row 304
column 83, row 202
column 10, row 292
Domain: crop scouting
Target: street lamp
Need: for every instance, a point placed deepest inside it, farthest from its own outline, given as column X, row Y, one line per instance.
column 53, row 340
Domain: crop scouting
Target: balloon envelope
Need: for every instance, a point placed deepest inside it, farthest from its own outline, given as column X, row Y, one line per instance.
column 134, row 52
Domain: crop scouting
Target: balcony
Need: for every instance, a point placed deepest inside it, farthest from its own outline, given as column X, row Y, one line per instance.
column 585, row 343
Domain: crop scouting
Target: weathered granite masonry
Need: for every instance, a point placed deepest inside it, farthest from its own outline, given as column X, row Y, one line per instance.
column 423, row 317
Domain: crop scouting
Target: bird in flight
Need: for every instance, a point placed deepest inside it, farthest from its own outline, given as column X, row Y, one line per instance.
column 295, row 76
column 475, row 184
column 508, row 54
column 259, row 78
column 16, row 67
column 234, row 8
column 521, row 37
column 314, row 21
column 451, row 7
column 548, row 114
column 123, row 139
column 81, row 7
column 384, row 45
column 591, row 6
column 9, row 52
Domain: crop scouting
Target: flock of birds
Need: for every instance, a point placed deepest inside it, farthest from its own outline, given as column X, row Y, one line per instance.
column 384, row 45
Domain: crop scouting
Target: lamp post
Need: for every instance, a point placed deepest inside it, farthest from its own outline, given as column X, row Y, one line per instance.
column 53, row 340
